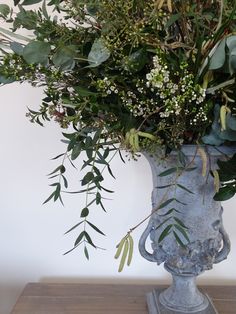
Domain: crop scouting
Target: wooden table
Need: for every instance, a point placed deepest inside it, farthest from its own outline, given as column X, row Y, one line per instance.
column 43, row 298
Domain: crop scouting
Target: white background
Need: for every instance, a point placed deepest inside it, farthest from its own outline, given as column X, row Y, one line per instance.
column 31, row 234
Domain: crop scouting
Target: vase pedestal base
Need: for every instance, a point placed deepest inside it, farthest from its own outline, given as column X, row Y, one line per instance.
column 155, row 306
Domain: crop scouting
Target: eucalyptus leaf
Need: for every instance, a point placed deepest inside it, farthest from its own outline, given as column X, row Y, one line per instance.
column 6, row 80
column 218, row 59
column 231, row 121
column 17, row 48
column 36, row 52
column 212, row 139
column 99, row 53
column 136, row 61
column 4, row 10
column 64, row 58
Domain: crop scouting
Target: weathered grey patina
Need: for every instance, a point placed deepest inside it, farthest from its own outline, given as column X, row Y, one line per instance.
column 208, row 241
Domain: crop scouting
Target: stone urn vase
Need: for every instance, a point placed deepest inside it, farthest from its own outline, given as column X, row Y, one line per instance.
column 186, row 229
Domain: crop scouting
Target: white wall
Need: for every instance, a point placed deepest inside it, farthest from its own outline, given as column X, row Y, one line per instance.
column 31, row 235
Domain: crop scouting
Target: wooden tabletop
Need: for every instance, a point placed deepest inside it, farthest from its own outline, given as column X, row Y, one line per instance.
column 44, row 298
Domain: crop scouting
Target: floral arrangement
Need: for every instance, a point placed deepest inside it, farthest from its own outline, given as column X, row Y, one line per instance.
column 126, row 74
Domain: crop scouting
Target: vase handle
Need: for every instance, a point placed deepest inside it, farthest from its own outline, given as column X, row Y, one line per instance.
column 224, row 252
column 142, row 243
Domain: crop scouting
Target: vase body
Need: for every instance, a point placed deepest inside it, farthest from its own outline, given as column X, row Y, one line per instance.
column 206, row 242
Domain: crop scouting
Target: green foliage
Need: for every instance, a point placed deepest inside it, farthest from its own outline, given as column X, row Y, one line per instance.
column 4, row 11
column 36, row 52
column 227, row 176
column 98, row 53
column 217, row 136
column 128, row 75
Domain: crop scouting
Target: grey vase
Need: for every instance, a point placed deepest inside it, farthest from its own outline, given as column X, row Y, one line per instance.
column 208, row 242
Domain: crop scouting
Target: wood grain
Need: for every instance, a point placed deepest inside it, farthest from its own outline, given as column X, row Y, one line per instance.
column 43, row 298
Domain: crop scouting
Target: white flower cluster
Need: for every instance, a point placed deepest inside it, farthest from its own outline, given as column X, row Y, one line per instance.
column 137, row 106
column 199, row 117
column 107, row 86
column 173, row 97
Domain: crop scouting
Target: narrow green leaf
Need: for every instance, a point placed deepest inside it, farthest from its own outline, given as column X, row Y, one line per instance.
column 98, row 198
column 76, row 150
column 180, row 222
column 58, row 156
column 60, row 199
column 183, row 232
column 190, row 169
column 164, row 186
column 163, row 223
column 121, row 157
column 88, row 238
column 30, row 2
column 60, row 168
column 179, row 241
column 72, row 249
column 164, row 204
column 75, row 226
column 49, row 198
column 182, row 158
column 95, row 228
column 109, row 191
column 103, row 208
column 81, row 191
column 106, row 153
column 79, row 238
column 165, row 233
column 184, row 188
column 44, row 10
column 57, row 192
column 168, row 213
column 168, row 172
column 86, row 252
column 91, row 202
column 110, row 171
column 65, row 181
column 180, row 202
